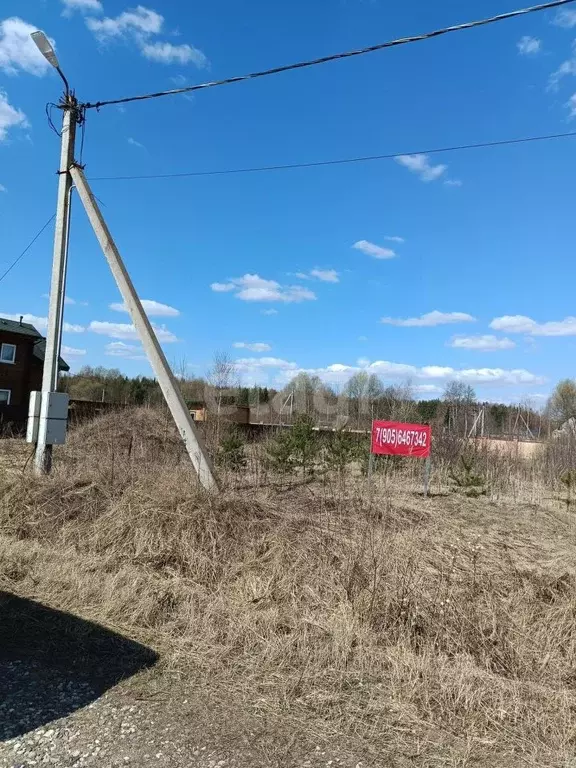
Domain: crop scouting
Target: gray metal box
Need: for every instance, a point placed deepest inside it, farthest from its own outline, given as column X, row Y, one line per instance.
column 54, row 405
column 33, row 417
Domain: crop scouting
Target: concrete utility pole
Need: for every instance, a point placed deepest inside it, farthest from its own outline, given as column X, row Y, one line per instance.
column 48, row 409
column 166, row 379
column 43, row 455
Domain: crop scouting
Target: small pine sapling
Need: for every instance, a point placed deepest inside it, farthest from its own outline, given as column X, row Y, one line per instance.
column 231, row 452
column 467, row 480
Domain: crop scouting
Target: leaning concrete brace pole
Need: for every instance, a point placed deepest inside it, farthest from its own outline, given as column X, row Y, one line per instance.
column 153, row 350
column 43, row 456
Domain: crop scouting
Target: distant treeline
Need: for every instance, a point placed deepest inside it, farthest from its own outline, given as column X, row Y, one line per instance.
column 360, row 400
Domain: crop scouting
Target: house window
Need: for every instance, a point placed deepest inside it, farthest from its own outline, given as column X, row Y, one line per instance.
column 7, row 353
column 5, row 396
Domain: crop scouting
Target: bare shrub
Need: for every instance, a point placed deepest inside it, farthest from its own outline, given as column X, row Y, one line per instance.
column 559, row 456
column 447, row 447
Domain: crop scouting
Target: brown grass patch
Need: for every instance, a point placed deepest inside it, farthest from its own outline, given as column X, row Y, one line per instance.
column 439, row 631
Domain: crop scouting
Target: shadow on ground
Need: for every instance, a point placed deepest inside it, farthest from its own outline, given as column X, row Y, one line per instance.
column 53, row 663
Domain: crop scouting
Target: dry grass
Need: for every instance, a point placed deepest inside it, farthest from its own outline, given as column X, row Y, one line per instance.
column 423, row 632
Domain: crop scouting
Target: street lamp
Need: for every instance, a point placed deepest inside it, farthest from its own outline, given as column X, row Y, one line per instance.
column 47, row 50
column 49, row 408
column 48, row 413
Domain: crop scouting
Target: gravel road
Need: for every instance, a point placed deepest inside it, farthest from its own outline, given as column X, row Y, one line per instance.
column 121, row 729
column 73, row 693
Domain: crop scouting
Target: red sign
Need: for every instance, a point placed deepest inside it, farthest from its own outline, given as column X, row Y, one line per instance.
column 393, row 438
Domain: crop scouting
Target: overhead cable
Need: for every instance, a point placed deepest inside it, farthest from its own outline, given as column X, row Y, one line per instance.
column 25, row 251
column 341, row 161
column 335, row 56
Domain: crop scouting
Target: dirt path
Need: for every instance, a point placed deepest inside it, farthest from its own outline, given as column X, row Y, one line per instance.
column 139, row 724
column 73, row 693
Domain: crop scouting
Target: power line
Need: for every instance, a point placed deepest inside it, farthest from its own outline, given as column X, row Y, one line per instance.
column 25, row 251
column 335, row 56
column 342, row 161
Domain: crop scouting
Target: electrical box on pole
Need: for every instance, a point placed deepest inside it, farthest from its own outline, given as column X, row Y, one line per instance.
column 48, row 418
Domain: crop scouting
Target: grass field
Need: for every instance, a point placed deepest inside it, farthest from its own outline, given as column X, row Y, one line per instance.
column 426, row 632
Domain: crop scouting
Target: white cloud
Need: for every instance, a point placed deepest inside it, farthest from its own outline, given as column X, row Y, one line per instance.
column 135, row 143
column 523, row 324
column 427, row 389
column 513, row 324
column 486, row 343
column 41, row 323
column 453, row 183
column 139, row 21
column 257, row 346
column 167, row 53
column 3, row 188
column 338, row 373
column 325, row 275
column 567, row 67
column 254, row 363
column 420, row 165
column 571, row 104
column 126, row 331
column 141, row 25
column 151, row 307
column 376, row 251
column 538, row 396
column 72, row 351
column 128, row 351
column 10, row 117
column 494, row 376
column 362, row 338
column 395, row 239
column 529, row 46
column 17, row 49
column 73, row 328
column 269, row 311
column 84, row 6
column 430, row 319
column 565, row 18
column 256, row 288
column 68, row 300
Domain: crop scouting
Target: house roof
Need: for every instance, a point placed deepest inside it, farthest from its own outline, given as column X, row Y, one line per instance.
column 40, row 353
column 14, row 326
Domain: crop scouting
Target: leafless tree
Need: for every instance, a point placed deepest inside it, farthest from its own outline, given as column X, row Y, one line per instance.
column 398, row 402
column 562, row 402
column 363, row 391
column 223, row 386
column 460, row 398
column 301, row 391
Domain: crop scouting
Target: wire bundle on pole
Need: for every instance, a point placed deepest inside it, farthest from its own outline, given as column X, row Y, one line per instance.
column 336, row 56
column 301, row 65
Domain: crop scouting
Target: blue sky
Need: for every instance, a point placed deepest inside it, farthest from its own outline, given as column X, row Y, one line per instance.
column 431, row 267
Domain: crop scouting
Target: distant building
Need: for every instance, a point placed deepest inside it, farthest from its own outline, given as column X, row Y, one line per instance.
column 22, row 350
column 238, row 414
